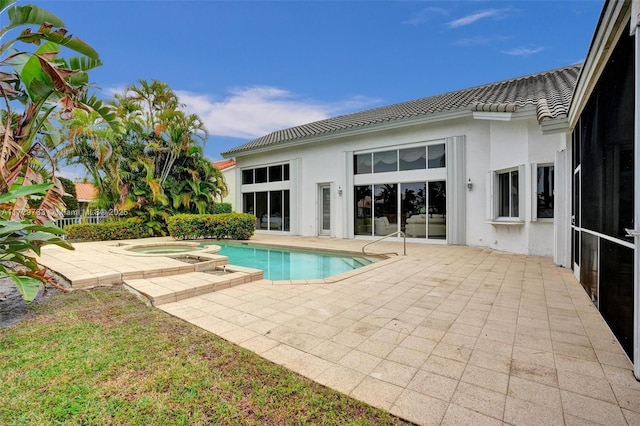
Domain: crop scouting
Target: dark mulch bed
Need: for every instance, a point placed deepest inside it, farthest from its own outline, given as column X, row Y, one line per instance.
column 13, row 308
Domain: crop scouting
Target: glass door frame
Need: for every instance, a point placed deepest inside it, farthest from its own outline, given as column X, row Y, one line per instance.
column 324, row 198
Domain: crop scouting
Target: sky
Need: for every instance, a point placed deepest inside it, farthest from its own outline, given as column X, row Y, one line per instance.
column 249, row 68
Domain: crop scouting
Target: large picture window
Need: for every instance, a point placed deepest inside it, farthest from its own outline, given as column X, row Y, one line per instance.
column 416, row 208
column 271, row 209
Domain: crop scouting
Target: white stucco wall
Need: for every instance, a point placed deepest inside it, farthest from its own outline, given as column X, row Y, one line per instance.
column 229, row 175
column 490, row 145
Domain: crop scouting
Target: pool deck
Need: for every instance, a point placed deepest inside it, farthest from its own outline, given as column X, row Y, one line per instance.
column 445, row 335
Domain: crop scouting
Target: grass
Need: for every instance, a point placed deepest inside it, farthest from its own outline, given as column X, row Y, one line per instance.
column 103, row 357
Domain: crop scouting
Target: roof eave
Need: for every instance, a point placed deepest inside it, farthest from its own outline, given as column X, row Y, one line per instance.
column 555, row 126
column 528, row 111
column 378, row 127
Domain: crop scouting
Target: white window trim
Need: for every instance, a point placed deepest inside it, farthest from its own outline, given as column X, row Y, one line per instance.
column 534, row 192
column 493, row 198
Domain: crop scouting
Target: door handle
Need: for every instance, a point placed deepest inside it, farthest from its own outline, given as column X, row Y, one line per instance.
column 631, row 232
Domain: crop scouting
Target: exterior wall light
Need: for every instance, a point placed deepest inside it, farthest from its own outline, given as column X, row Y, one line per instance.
column 469, row 184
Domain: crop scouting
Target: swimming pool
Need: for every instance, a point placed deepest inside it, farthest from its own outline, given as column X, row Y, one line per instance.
column 286, row 264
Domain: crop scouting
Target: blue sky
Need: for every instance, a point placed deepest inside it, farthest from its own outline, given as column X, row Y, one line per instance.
column 249, row 68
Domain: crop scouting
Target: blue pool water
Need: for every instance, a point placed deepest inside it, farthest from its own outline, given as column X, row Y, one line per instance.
column 285, row 264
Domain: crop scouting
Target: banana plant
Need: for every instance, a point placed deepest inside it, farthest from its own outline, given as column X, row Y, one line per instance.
column 20, row 240
column 43, row 83
column 36, row 83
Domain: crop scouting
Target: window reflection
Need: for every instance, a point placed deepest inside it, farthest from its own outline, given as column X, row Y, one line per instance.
column 436, row 156
column 414, row 214
column 385, row 209
column 413, row 158
column 386, row 161
column 362, row 164
column 437, row 210
column 362, row 210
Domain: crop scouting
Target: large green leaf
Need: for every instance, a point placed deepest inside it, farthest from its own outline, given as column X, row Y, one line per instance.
column 47, row 238
column 5, row 3
column 107, row 112
column 78, row 79
column 31, row 73
column 29, row 15
column 81, row 63
column 8, row 227
column 60, row 37
column 23, row 191
column 28, row 286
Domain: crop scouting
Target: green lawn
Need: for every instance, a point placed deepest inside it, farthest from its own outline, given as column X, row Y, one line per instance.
column 103, row 357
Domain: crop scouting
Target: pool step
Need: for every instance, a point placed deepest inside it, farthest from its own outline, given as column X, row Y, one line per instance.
column 172, row 288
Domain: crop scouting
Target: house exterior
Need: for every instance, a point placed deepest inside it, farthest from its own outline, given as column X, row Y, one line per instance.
column 545, row 164
column 228, row 169
column 474, row 167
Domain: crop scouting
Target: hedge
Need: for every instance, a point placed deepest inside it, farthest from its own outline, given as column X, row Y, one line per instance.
column 237, row 226
column 106, row 231
column 219, row 208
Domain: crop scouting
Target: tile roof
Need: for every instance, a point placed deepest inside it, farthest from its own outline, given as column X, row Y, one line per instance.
column 550, row 92
column 85, row 191
column 224, row 164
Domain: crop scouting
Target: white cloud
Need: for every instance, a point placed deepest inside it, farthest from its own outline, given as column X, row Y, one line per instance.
column 256, row 111
column 480, row 40
column 470, row 19
column 523, row 51
column 115, row 90
column 424, row 15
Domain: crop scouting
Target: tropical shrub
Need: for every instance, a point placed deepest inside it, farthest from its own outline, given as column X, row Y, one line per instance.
column 219, row 208
column 107, row 231
column 237, row 226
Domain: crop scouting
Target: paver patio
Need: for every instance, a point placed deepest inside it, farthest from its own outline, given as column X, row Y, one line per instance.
column 445, row 335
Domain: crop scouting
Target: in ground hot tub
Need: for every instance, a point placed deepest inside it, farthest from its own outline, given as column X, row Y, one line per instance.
column 163, row 249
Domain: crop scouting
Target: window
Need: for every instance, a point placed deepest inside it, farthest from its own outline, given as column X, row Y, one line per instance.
column 247, row 203
column 413, row 158
column 362, row 163
column 261, row 175
column 416, row 158
column 275, row 173
column 437, row 156
column 544, row 192
column 247, row 177
column 271, row 209
column 386, row 161
column 508, row 202
column 416, row 208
